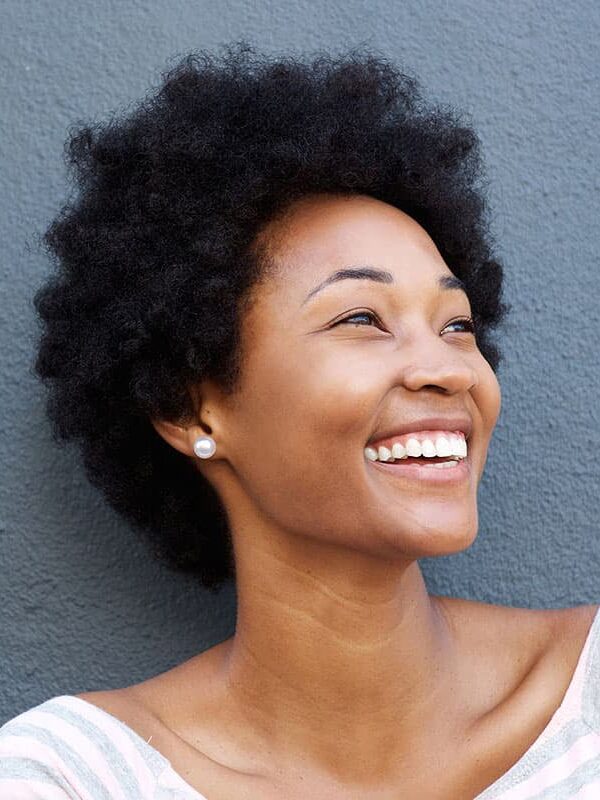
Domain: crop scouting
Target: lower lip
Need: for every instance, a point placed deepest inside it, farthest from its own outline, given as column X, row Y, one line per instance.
column 426, row 473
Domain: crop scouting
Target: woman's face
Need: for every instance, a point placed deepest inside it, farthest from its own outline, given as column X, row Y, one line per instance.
column 333, row 366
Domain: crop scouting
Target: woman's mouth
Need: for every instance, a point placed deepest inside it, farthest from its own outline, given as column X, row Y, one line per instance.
column 437, row 456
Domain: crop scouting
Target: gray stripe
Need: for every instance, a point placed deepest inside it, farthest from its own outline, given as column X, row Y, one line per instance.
column 537, row 758
column 569, row 786
column 69, row 756
column 20, row 768
column 155, row 761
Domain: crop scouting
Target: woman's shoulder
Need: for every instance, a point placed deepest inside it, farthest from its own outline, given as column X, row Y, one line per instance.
column 65, row 748
column 531, row 686
column 537, row 632
column 568, row 666
column 508, row 649
column 569, row 631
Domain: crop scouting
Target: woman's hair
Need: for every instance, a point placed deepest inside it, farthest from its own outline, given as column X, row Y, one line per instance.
column 156, row 261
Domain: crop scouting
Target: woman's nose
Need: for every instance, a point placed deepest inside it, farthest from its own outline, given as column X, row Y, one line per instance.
column 446, row 372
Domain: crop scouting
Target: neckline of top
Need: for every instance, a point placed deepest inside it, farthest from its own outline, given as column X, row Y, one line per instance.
column 589, row 656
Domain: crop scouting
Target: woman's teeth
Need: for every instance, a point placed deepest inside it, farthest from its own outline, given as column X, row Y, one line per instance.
column 454, row 447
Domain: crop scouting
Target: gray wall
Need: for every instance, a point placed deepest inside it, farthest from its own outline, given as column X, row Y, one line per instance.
column 83, row 606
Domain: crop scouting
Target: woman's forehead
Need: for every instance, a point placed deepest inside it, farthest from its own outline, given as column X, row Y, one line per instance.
column 321, row 234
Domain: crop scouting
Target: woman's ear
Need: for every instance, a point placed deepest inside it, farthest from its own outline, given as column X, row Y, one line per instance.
column 180, row 437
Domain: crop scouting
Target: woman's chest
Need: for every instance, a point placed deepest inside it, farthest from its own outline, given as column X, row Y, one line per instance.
column 457, row 768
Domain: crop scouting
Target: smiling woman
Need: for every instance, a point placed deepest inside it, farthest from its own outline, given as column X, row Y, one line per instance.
column 271, row 332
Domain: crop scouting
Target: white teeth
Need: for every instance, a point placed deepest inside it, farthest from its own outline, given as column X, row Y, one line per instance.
column 428, row 448
column 444, row 464
column 384, row 453
column 442, row 446
column 371, row 453
column 458, row 446
column 445, row 446
column 413, row 448
column 398, row 450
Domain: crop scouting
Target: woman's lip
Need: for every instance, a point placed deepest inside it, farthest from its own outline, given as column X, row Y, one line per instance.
column 426, row 473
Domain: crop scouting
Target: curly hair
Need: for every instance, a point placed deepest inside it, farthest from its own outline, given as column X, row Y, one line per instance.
column 155, row 258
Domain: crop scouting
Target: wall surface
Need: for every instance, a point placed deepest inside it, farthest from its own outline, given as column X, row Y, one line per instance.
column 83, row 605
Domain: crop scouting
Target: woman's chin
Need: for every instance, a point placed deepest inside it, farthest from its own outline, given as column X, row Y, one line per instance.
column 427, row 532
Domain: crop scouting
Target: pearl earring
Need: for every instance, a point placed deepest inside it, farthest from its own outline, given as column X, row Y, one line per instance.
column 204, row 446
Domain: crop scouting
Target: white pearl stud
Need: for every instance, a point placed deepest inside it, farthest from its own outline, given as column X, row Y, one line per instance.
column 204, row 446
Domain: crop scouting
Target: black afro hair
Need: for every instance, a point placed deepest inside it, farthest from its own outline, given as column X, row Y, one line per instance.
column 155, row 253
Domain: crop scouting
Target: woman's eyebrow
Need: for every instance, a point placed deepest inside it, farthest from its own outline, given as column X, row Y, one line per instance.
column 379, row 275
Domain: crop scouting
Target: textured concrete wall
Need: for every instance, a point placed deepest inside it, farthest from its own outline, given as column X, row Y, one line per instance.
column 83, row 606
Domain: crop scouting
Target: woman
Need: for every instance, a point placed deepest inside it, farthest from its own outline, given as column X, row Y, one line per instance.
column 272, row 335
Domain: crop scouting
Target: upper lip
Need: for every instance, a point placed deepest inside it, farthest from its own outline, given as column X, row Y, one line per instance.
column 462, row 423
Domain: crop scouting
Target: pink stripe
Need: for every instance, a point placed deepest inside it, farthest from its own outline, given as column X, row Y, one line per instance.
column 584, row 749
column 25, row 746
column 28, row 789
column 589, row 792
column 89, row 752
column 28, row 747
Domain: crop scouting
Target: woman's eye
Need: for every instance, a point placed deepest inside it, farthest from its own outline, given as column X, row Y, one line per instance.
column 358, row 315
column 467, row 324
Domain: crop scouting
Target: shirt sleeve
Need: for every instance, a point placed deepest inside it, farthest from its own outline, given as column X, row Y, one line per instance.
column 68, row 749
column 29, row 770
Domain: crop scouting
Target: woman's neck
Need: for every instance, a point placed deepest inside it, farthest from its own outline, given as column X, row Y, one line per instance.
column 340, row 661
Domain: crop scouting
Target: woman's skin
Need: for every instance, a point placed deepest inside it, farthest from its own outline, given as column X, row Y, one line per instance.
column 345, row 678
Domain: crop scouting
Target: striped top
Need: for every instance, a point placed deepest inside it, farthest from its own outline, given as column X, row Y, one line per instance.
column 69, row 749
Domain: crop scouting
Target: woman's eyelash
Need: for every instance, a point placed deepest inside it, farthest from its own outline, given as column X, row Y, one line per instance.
column 358, row 314
column 466, row 321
